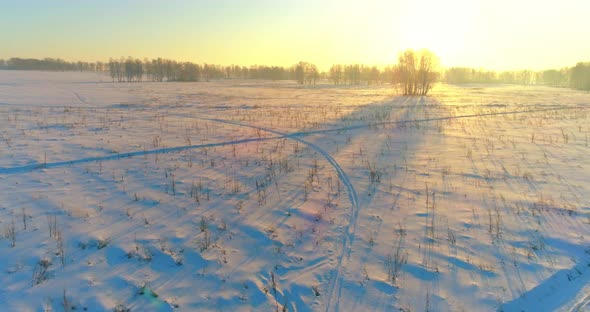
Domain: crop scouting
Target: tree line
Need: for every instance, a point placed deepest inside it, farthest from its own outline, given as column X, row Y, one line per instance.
column 135, row 70
column 50, row 64
column 577, row 77
column 580, row 76
column 354, row 74
column 131, row 70
column 415, row 72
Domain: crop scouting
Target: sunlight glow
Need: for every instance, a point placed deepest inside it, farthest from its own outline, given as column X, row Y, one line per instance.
column 502, row 34
column 443, row 27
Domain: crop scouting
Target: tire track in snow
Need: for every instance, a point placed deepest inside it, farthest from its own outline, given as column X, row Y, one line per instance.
column 583, row 303
column 294, row 136
column 80, row 98
column 442, row 118
column 348, row 237
column 336, row 281
column 57, row 164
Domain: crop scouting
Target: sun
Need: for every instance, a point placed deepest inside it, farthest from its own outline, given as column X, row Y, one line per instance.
column 441, row 26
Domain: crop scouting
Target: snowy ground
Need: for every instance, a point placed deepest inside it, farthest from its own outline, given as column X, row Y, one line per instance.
column 261, row 196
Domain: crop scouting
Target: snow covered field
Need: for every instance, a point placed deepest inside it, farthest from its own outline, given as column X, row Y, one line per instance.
column 264, row 196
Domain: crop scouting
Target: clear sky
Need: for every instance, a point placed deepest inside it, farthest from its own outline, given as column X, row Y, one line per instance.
column 495, row 34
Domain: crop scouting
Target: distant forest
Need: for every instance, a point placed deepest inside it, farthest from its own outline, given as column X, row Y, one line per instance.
column 577, row 77
column 132, row 70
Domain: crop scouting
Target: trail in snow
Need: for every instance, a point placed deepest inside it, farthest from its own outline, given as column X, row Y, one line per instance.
column 294, row 136
column 80, row 98
column 556, row 293
column 401, row 122
column 352, row 195
column 348, row 237
column 582, row 304
column 332, row 302
column 57, row 164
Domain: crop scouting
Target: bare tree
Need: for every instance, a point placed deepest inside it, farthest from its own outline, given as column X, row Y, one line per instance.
column 427, row 73
column 112, row 69
column 311, row 73
column 305, row 72
column 336, row 74
column 138, row 70
column 300, row 72
column 417, row 71
column 129, row 69
column 580, row 76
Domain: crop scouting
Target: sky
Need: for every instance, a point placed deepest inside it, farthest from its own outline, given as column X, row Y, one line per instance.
column 498, row 34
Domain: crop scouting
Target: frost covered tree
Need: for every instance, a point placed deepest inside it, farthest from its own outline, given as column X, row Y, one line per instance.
column 189, row 72
column 207, row 71
column 305, row 72
column 311, row 74
column 336, row 74
column 352, row 74
column 129, row 69
column 417, row 71
column 117, row 69
column 580, row 76
column 138, row 70
column 300, row 72
column 112, row 69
